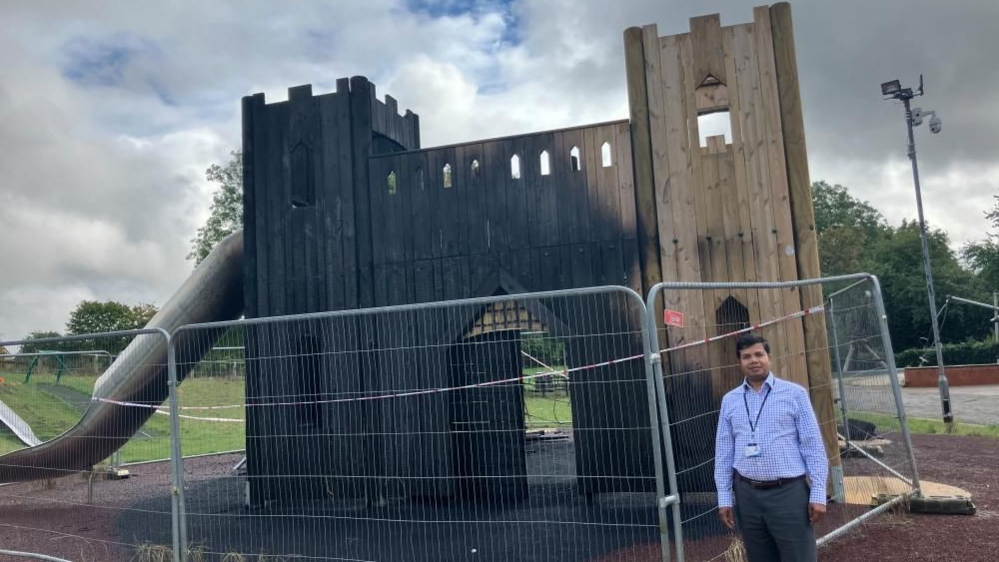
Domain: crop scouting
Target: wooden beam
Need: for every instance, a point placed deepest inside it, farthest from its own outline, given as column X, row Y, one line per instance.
column 715, row 145
column 626, row 187
column 741, row 225
column 252, row 107
column 303, row 175
column 803, row 216
column 794, row 338
column 608, row 199
column 275, row 145
column 711, row 99
column 708, row 60
column 660, row 171
column 757, row 169
column 716, row 264
column 729, row 209
column 346, row 228
column 684, row 176
column 361, row 98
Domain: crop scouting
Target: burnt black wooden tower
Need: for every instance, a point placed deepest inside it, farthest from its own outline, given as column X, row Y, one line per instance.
column 343, row 210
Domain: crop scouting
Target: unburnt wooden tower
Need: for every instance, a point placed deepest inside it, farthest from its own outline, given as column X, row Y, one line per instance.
column 343, row 210
column 728, row 209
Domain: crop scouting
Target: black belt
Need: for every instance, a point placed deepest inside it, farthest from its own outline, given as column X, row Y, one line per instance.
column 768, row 484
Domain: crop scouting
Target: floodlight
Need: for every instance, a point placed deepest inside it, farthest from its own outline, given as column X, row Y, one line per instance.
column 891, row 88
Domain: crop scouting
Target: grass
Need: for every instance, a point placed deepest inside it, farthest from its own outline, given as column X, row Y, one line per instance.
column 8, row 442
column 922, row 426
column 49, row 415
column 148, row 552
column 551, row 411
column 546, row 411
column 197, row 437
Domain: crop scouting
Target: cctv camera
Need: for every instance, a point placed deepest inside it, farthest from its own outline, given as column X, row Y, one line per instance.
column 935, row 125
column 917, row 113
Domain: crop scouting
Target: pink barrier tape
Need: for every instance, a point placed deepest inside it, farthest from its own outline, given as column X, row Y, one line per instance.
column 792, row 316
column 166, row 411
column 425, row 392
column 408, row 394
column 561, row 373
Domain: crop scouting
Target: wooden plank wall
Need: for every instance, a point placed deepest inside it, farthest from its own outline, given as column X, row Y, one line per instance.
column 329, row 233
column 483, row 229
column 301, row 258
column 736, row 210
column 404, row 130
column 547, row 231
column 724, row 209
column 803, row 217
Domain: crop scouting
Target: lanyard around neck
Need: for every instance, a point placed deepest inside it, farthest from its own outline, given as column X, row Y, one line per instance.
column 754, row 424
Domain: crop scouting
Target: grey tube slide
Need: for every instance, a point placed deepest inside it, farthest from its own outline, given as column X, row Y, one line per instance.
column 214, row 292
column 18, row 426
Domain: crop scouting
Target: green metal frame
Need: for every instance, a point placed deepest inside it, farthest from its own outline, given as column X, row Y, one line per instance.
column 34, row 363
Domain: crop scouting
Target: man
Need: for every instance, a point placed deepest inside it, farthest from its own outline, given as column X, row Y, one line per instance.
column 769, row 459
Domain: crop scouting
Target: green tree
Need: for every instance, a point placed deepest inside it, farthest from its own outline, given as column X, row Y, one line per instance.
column 226, row 214
column 853, row 236
column 846, row 228
column 897, row 260
column 983, row 257
column 94, row 317
column 30, row 347
column 835, row 207
column 142, row 313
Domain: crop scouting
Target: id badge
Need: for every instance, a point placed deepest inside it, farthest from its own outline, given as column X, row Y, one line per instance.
column 752, row 450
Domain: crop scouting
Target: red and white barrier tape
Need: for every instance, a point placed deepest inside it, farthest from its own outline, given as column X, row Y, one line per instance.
column 561, row 373
column 166, row 411
column 425, row 392
column 792, row 316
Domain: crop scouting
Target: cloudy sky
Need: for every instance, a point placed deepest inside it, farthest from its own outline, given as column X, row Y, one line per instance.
column 111, row 111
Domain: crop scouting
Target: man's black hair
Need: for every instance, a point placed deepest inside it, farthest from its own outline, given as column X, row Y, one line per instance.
column 749, row 340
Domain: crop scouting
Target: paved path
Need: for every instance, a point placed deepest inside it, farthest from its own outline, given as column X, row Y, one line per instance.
column 970, row 404
column 77, row 400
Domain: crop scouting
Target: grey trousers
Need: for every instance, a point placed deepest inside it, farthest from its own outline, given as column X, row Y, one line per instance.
column 774, row 523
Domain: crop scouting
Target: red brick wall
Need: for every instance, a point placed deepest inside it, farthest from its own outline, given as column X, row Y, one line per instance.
column 957, row 375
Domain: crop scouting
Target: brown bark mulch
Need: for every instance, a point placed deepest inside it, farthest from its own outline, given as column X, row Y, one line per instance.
column 970, row 463
column 54, row 518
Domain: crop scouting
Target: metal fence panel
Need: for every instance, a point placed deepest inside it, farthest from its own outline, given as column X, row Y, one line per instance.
column 66, row 494
column 971, row 367
column 696, row 326
column 508, row 428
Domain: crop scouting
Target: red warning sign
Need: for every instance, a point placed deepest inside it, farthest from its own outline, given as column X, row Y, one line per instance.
column 673, row 318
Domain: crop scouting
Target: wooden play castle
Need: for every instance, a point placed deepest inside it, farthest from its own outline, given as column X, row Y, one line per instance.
column 345, row 210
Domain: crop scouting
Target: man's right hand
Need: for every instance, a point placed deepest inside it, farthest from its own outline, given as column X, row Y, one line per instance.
column 727, row 516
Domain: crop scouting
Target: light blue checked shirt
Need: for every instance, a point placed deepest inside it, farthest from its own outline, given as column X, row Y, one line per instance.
column 787, row 435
